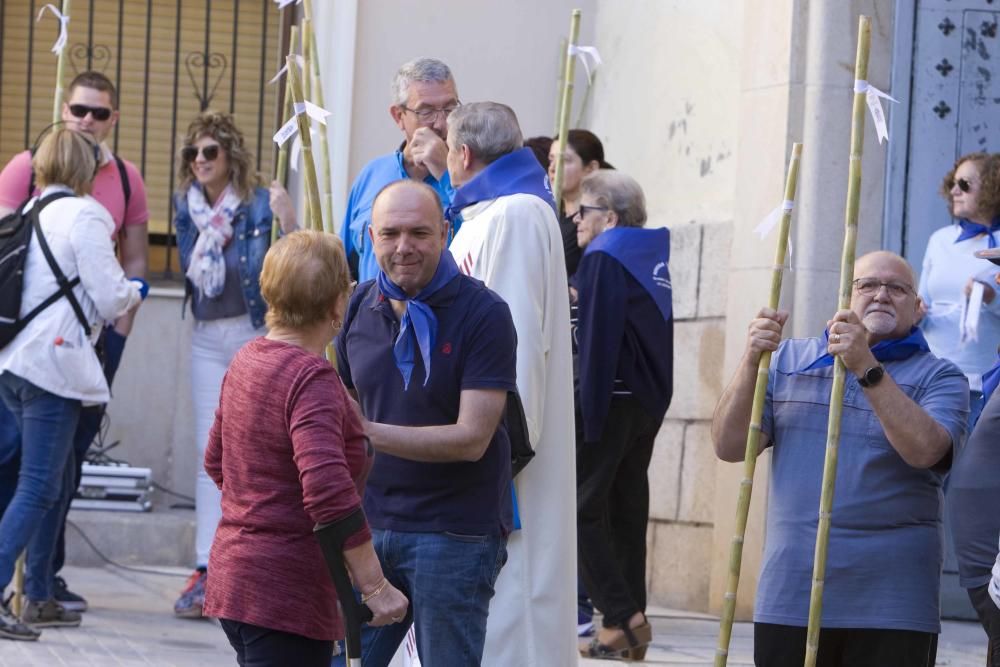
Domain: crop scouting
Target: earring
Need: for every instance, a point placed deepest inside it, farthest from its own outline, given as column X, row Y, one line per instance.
column 336, row 325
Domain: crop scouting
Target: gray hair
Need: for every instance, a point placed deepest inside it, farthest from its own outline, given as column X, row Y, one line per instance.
column 489, row 129
column 424, row 70
column 618, row 192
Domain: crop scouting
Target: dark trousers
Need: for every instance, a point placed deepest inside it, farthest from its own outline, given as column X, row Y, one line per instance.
column 263, row 647
column 989, row 616
column 785, row 646
column 613, row 509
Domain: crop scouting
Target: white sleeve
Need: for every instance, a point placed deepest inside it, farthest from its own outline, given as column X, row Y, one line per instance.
column 100, row 273
column 517, row 255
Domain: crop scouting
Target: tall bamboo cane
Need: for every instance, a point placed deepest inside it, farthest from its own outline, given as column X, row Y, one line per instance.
column 57, row 103
column 563, row 44
column 324, row 141
column 60, row 69
column 565, row 104
column 753, row 433
column 839, row 370
column 314, row 209
column 281, row 169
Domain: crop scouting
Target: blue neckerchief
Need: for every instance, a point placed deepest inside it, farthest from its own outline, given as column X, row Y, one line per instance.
column 894, row 349
column 972, row 229
column 991, row 379
column 418, row 318
column 513, row 174
column 644, row 253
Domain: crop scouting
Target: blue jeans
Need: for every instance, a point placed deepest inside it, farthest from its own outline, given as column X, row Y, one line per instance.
column 449, row 580
column 46, row 423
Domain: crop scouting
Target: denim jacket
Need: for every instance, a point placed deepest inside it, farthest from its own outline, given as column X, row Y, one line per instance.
column 251, row 233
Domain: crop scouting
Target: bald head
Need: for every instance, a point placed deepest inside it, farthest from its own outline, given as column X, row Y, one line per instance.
column 882, row 258
column 408, row 233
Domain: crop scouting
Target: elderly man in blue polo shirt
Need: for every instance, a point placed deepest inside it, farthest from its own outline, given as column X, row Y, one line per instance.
column 904, row 412
column 431, row 355
column 424, row 94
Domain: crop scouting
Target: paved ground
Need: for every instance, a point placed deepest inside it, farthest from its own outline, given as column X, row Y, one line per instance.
column 130, row 623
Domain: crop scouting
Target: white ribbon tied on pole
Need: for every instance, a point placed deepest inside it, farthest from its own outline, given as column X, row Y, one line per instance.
column 63, row 23
column 770, row 221
column 585, row 54
column 284, row 68
column 284, row 3
column 290, row 128
column 293, row 155
column 872, row 95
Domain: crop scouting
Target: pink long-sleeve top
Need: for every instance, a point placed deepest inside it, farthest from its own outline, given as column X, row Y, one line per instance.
column 288, row 452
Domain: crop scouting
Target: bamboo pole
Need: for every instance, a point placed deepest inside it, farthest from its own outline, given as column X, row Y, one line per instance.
column 565, row 104
column 756, row 413
column 563, row 44
column 839, row 370
column 281, row 168
column 314, row 212
column 324, row 141
column 60, row 69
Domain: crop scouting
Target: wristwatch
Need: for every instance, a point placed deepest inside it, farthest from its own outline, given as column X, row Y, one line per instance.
column 871, row 376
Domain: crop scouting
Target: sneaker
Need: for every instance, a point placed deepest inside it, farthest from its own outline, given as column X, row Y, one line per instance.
column 49, row 614
column 67, row 598
column 11, row 628
column 192, row 599
column 584, row 625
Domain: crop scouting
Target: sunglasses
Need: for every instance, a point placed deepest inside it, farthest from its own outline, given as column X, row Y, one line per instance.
column 81, row 111
column 963, row 184
column 582, row 211
column 190, row 153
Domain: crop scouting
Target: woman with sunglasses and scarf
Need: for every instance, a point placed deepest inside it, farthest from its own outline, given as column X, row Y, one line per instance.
column 950, row 270
column 223, row 224
column 49, row 369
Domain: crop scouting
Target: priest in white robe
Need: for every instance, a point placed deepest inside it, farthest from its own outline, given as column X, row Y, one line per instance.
column 510, row 240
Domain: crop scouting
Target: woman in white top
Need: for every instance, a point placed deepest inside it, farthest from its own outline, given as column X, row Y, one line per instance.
column 950, row 271
column 50, row 368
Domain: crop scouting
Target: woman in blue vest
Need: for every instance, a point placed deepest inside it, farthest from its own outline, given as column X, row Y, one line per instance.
column 223, row 224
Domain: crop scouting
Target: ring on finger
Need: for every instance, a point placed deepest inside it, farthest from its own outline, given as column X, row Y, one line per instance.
column 835, row 337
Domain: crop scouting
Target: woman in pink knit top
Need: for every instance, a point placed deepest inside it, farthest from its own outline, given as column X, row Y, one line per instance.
column 288, row 452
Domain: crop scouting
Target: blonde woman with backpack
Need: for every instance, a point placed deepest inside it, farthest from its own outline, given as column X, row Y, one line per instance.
column 49, row 369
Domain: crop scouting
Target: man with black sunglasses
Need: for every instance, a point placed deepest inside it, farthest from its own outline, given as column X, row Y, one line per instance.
column 91, row 106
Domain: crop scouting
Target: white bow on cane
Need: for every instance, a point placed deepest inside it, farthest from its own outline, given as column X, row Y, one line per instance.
column 872, row 95
column 284, row 3
column 585, row 53
column 284, row 68
column 63, row 23
column 290, row 128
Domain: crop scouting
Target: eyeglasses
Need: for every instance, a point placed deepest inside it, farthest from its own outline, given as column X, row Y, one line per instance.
column 872, row 286
column 964, row 184
column 190, row 153
column 582, row 211
column 429, row 115
column 81, row 111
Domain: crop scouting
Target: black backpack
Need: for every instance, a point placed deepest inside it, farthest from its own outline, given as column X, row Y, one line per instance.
column 15, row 239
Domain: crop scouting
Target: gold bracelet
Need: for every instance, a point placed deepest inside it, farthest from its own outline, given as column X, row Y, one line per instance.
column 377, row 591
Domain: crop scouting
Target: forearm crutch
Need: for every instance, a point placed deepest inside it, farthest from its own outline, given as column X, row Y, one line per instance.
column 332, row 537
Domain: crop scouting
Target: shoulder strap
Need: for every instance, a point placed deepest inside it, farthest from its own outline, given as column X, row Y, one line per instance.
column 65, row 286
column 126, row 185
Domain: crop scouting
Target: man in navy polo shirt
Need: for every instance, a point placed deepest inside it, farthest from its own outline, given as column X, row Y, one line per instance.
column 431, row 355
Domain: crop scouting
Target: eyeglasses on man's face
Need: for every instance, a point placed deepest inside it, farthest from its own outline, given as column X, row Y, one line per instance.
column 81, row 110
column 872, row 286
column 430, row 114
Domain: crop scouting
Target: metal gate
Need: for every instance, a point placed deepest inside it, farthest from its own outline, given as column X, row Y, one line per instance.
column 169, row 58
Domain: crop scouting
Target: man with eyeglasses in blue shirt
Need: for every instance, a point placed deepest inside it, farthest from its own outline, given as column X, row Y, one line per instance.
column 904, row 415
column 423, row 93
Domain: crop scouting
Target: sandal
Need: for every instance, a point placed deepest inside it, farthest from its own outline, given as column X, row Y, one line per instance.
column 632, row 646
